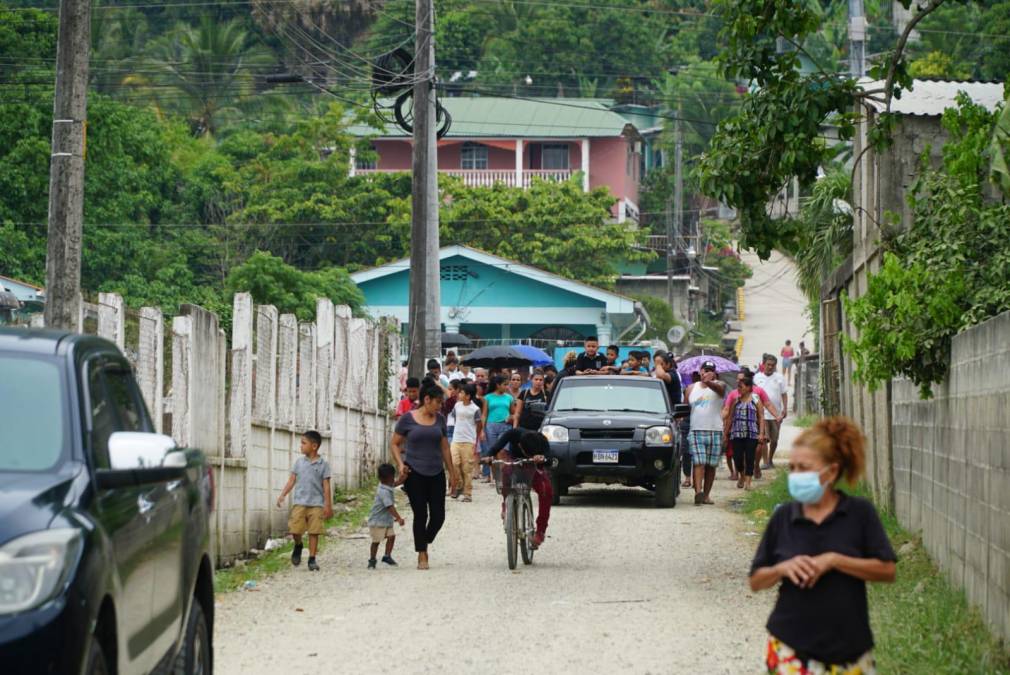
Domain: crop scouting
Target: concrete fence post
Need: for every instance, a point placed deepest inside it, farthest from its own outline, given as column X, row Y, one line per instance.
column 341, row 353
column 112, row 318
column 151, row 363
column 324, row 366
column 265, row 400
column 182, row 355
column 287, row 369
column 240, row 395
column 306, row 405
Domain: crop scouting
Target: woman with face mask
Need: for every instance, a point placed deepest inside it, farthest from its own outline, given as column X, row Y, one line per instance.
column 820, row 550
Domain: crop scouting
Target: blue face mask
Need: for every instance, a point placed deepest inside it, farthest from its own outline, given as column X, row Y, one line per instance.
column 805, row 486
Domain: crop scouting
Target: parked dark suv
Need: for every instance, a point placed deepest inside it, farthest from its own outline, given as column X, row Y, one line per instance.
column 105, row 564
column 615, row 429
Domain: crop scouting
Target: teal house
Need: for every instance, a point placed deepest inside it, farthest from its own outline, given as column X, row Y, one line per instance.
column 491, row 299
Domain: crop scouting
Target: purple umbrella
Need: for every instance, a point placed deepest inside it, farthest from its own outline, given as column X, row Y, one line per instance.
column 693, row 364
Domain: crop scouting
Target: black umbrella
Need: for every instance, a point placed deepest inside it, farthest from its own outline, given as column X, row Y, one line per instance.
column 496, row 356
column 455, row 340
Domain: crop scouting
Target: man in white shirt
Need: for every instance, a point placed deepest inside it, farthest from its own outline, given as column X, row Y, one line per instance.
column 452, row 371
column 774, row 386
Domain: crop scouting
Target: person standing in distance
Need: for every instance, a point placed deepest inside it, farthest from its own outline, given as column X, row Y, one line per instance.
column 774, row 386
column 705, row 438
column 820, row 550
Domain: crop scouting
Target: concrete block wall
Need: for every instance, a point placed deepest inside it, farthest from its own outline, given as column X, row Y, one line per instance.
column 246, row 402
column 952, row 467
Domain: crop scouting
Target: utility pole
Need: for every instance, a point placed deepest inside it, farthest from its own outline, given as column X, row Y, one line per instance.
column 66, row 168
column 857, row 39
column 425, row 303
column 678, row 197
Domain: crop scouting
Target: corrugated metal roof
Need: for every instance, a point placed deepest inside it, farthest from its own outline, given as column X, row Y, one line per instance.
column 932, row 97
column 494, row 117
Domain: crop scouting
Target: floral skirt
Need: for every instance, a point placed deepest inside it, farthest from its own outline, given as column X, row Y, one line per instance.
column 782, row 660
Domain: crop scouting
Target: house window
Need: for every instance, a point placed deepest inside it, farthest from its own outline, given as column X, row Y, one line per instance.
column 555, row 156
column 454, row 272
column 473, row 156
column 558, row 333
column 366, row 163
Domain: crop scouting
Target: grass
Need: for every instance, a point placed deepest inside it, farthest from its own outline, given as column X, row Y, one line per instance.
column 232, row 578
column 806, row 421
column 921, row 623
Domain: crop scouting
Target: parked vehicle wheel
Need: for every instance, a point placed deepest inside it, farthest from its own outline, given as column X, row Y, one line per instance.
column 666, row 490
column 528, row 530
column 556, row 489
column 512, row 530
column 195, row 656
column 97, row 664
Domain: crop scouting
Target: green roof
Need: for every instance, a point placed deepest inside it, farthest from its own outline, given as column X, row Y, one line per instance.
column 493, row 117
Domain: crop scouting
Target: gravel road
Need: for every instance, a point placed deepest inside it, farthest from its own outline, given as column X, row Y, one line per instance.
column 619, row 586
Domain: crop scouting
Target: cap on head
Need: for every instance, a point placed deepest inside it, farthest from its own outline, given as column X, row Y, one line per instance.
column 708, row 365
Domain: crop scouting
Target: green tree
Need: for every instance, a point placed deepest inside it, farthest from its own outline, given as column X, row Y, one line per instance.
column 556, row 226
column 205, row 73
column 273, row 282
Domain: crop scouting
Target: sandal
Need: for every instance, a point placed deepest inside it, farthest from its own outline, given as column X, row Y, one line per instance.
column 422, row 563
column 686, row 483
column 739, row 483
column 698, row 498
column 466, row 498
column 708, row 501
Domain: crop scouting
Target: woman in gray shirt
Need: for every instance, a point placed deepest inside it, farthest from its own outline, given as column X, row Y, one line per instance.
column 421, row 452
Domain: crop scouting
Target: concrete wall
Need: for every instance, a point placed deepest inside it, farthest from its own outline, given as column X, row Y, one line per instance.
column 246, row 402
column 952, row 468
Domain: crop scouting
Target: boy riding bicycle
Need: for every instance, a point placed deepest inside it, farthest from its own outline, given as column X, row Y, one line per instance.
column 530, row 445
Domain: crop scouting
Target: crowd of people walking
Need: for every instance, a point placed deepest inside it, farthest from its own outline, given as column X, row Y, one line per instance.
column 819, row 550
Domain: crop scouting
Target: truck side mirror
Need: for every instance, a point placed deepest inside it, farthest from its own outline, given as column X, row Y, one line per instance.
column 681, row 410
column 133, row 450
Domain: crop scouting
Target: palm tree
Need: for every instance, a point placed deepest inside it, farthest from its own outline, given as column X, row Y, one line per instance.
column 205, row 73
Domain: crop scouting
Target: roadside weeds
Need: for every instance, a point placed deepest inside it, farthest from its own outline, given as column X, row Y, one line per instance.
column 921, row 623
column 233, row 578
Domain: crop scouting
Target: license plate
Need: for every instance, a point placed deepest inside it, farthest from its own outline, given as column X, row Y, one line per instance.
column 606, row 457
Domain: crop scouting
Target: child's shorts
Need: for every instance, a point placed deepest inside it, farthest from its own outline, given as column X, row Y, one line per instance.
column 306, row 519
column 381, row 533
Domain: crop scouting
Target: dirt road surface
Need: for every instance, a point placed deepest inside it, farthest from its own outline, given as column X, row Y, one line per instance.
column 774, row 308
column 619, row 586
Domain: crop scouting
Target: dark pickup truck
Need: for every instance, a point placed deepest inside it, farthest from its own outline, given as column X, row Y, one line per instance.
column 105, row 565
column 615, row 429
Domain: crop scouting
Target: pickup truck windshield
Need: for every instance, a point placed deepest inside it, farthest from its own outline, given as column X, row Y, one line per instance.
column 32, row 420
column 608, row 397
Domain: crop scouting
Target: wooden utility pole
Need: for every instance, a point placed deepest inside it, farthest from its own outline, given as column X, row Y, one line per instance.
column 678, row 200
column 425, row 302
column 66, row 168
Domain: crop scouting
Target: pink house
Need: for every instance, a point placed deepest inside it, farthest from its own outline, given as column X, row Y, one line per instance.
column 511, row 141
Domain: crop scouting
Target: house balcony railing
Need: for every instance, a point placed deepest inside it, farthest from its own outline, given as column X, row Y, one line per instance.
column 490, row 177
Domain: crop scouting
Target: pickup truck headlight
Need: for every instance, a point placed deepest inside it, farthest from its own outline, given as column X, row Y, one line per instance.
column 658, row 436
column 555, row 434
column 34, row 567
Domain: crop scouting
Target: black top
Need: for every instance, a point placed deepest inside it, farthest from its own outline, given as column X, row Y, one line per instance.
column 673, row 389
column 586, row 362
column 528, row 419
column 829, row 622
column 511, row 439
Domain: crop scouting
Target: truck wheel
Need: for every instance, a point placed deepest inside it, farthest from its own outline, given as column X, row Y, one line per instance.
column 556, row 490
column 666, row 486
column 96, row 659
column 195, row 656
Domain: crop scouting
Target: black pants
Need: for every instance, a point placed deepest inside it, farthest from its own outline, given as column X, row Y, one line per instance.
column 427, row 501
column 744, row 450
column 686, row 463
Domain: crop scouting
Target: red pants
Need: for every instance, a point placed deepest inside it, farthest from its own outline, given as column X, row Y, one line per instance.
column 545, row 493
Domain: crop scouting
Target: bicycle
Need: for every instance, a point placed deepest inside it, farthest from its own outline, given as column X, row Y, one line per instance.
column 514, row 480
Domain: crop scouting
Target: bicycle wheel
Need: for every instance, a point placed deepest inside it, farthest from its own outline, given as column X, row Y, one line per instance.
column 511, row 530
column 528, row 529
